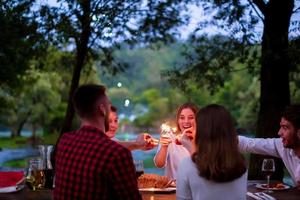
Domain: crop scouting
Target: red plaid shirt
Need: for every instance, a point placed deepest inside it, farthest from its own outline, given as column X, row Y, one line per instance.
column 91, row 166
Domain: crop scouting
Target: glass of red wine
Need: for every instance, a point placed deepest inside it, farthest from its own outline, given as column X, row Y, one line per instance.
column 268, row 168
column 139, row 167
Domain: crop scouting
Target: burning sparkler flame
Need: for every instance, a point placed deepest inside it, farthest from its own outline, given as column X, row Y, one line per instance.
column 167, row 130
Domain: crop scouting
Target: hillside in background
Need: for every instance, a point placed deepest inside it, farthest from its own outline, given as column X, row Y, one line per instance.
column 145, row 99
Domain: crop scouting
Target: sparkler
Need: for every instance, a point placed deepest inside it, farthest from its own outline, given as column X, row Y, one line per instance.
column 167, row 130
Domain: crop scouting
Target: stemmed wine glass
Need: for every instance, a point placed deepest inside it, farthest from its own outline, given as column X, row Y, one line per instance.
column 268, row 167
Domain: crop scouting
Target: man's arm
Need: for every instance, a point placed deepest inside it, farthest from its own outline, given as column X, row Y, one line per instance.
column 144, row 142
column 259, row 145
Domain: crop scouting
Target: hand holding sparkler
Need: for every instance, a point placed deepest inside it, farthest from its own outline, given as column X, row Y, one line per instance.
column 165, row 136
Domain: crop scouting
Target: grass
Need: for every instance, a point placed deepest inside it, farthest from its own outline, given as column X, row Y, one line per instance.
column 16, row 163
column 17, row 142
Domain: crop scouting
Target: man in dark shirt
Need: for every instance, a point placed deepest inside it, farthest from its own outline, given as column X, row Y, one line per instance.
column 88, row 164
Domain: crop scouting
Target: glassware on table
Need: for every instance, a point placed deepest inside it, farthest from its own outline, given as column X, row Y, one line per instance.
column 35, row 177
column 45, row 153
column 268, row 168
column 139, row 167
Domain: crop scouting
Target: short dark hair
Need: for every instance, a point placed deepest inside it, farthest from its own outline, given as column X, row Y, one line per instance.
column 292, row 114
column 113, row 108
column 86, row 97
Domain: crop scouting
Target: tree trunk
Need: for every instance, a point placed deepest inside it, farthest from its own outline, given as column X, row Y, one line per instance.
column 16, row 130
column 13, row 131
column 20, row 126
column 74, row 85
column 274, row 76
column 81, row 55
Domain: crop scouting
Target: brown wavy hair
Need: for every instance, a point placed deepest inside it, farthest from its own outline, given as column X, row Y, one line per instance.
column 217, row 156
column 189, row 105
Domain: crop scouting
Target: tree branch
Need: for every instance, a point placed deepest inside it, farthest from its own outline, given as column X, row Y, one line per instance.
column 261, row 5
column 296, row 10
column 258, row 14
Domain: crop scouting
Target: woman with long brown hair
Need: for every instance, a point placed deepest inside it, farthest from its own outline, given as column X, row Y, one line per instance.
column 169, row 152
column 217, row 169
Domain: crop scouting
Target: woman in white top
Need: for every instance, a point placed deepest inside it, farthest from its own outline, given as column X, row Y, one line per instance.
column 169, row 152
column 216, row 170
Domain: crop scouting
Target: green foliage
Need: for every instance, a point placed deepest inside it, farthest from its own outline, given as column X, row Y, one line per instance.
column 36, row 101
column 152, row 98
column 32, row 102
column 156, row 104
column 102, row 27
column 295, row 69
column 154, row 101
column 95, row 29
column 19, row 39
column 16, row 142
column 16, row 163
column 209, row 62
column 51, row 138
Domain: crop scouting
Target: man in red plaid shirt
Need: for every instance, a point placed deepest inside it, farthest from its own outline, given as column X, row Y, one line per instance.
column 88, row 165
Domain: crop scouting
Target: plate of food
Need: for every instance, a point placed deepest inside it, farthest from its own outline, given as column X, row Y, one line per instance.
column 156, row 184
column 159, row 190
column 273, row 186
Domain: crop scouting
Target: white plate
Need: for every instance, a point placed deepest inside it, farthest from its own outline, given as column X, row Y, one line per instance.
column 263, row 186
column 159, row 190
column 11, row 189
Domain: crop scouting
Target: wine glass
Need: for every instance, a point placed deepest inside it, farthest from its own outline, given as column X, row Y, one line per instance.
column 139, row 167
column 268, row 167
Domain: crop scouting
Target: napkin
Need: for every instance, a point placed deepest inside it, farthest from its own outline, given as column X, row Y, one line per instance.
column 11, row 178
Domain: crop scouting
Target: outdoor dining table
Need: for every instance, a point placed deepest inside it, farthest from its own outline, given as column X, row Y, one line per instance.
column 46, row 194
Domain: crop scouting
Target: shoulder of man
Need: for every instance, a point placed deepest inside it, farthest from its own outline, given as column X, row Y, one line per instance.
column 118, row 147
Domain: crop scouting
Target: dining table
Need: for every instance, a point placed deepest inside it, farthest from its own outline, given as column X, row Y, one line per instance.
column 46, row 194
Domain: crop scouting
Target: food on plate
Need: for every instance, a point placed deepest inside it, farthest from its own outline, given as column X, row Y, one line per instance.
column 274, row 185
column 280, row 185
column 153, row 181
